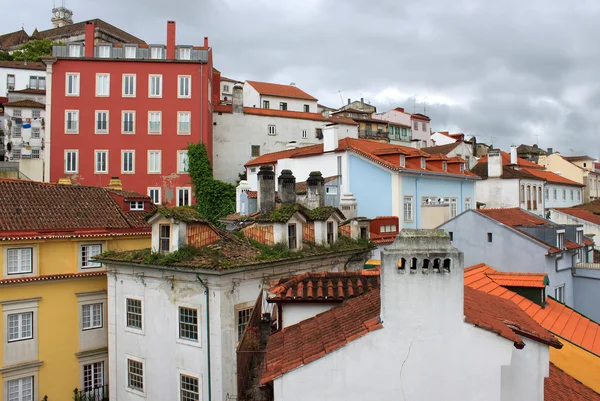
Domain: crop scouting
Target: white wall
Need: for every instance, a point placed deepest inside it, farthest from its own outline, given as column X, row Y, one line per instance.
column 21, row 78
column 423, row 135
column 294, row 313
column 497, row 192
column 440, row 139
column 34, row 168
column 254, row 99
column 395, row 116
column 226, row 94
column 464, row 150
column 559, row 217
column 559, row 201
column 519, row 380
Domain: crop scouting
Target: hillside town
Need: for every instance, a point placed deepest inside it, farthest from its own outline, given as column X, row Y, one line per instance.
column 169, row 233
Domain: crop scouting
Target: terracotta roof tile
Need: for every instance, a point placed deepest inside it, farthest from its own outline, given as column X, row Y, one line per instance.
column 265, row 88
column 78, row 28
column 536, row 280
column 514, row 217
column 227, row 108
column 443, row 149
column 13, row 39
column 580, row 213
column 560, row 386
column 508, row 172
column 32, row 104
column 506, row 161
column 577, row 158
column 31, row 91
column 21, row 65
column 551, row 177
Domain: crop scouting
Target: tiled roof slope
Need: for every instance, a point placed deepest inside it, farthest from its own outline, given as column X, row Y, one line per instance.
column 41, row 207
column 334, row 286
column 533, row 280
column 555, row 316
column 26, row 103
column 12, row 39
column 506, row 161
column 530, row 149
column 577, row 158
column 31, row 91
column 514, row 217
column 22, row 65
column 265, row 88
column 592, row 207
column 313, row 338
column 481, row 169
column 441, row 149
column 79, row 29
column 580, row 213
column 551, row 177
column 227, row 108
column 560, row 386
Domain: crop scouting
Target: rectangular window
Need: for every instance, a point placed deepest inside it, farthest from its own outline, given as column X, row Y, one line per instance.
column 35, row 153
column 129, row 85
column 408, row 208
column 451, row 235
column 88, row 252
column 330, row 232
column 453, row 207
column 444, row 165
column 188, row 324
column 71, row 161
column 101, row 122
column 255, row 150
column 104, row 51
column 155, row 86
column 306, row 108
column 134, row 313
column 184, row 86
column 559, row 293
column 20, row 326
column 266, row 104
column 16, row 154
column 271, row 129
column 282, row 106
column 17, row 113
column 102, row 84
column 331, row 190
column 554, row 194
column 547, row 194
column 182, row 161
column 101, row 161
column 74, row 50
column 35, row 114
column 72, row 121
column 416, row 125
column 572, row 195
column 578, row 195
column 42, row 83
column 135, row 375
column 165, row 238
column 136, row 205
column 304, row 134
column 183, row 124
column 423, row 165
column 564, row 193
column 489, row 237
column 91, row 316
column 10, row 82
column 129, row 122
column 156, row 53
column 560, row 240
column 130, row 52
column 93, row 380
column 128, row 161
column 185, row 53
column 33, row 82
column 190, row 388
column 154, row 162
column 72, row 84
column 20, row 389
column 154, row 122
column 243, row 318
column 292, row 243
column 184, row 196
column 468, row 204
column 424, row 126
column 17, row 131
column 226, row 88
column 154, row 194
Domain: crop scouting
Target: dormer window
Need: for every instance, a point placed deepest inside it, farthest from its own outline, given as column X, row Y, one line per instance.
column 130, row 52
column 74, row 50
column 444, row 166
column 462, row 167
column 136, row 205
column 165, row 238
column 292, row 243
column 560, row 239
column 402, row 161
column 185, row 53
column 156, row 53
column 422, row 162
column 104, row 51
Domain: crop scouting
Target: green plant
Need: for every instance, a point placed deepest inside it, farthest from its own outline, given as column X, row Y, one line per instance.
column 214, row 199
column 34, row 50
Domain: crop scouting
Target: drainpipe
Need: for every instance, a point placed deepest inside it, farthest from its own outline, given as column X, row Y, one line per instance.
column 417, row 202
column 556, row 259
column 207, row 332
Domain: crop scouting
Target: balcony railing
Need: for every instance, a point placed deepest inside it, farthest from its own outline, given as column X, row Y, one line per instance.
column 99, row 393
column 372, row 134
column 402, row 138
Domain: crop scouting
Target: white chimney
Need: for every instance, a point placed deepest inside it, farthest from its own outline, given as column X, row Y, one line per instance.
column 513, row 155
column 237, row 100
column 242, row 187
column 330, row 138
column 494, row 163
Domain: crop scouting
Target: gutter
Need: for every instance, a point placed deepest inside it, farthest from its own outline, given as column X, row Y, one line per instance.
column 580, row 276
column 207, row 332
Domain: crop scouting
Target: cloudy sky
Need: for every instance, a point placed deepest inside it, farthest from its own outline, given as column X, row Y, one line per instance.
column 508, row 72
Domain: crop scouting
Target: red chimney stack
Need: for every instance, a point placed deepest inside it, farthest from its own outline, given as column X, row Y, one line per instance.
column 206, row 42
column 90, row 29
column 170, row 40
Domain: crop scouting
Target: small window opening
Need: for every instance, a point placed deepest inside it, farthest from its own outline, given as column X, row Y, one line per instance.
column 489, row 237
column 402, row 265
column 425, row 267
column 413, row 265
column 446, row 265
column 436, row 265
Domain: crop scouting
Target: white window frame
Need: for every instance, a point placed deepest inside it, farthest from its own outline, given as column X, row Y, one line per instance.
column 239, row 309
column 272, row 129
column 73, row 113
column 136, row 205
column 76, row 152
column 97, row 153
column 154, row 50
column 468, row 204
column 304, row 134
column 127, row 50
column 106, row 91
column 87, row 265
column 150, row 114
column 123, row 152
column 20, row 251
column 95, row 389
column 423, row 163
column 402, row 161
column 157, row 93
column 123, row 122
column 96, row 310
column 96, row 129
column 179, row 122
column 75, row 50
column 184, row 53
column 134, row 88
column 189, row 86
column 559, row 293
column 76, row 84
column 159, row 166
column 102, row 48
column 36, row 113
column 20, row 381
column 183, row 340
column 134, row 329
column 560, row 237
column 142, row 361
column 193, row 376
column 453, row 207
column 181, row 159
column 21, row 318
column 408, row 209
column 35, row 153
column 189, row 197
column 159, row 191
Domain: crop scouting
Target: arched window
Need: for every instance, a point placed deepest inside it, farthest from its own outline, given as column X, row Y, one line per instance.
column 528, row 194
column 436, row 265
column 402, row 265
column 447, row 263
column 413, row 265
column 425, row 267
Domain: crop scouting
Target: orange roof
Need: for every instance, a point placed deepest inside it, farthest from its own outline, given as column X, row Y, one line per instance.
column 227, row 108
column 506, row 161
column 514, row 217
column 265, row 88
column 581, row 214
column 536, row 280
column 560, row 386
column 555, row 316
column 30, row 104
column 551, row 177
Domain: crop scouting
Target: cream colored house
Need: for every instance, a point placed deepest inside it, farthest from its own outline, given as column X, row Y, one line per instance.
column 577, row 168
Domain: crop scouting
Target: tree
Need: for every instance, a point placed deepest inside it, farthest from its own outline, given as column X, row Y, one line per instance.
column 214, row 199
column 34, row 50
column 5, row 56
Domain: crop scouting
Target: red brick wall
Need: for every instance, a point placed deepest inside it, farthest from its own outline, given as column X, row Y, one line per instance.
column 259, row 233
column 308, row 232
column 200, row 234
column 345, row 230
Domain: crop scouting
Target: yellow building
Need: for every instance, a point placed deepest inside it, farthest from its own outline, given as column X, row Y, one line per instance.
column 53, row 294
column 581, row 169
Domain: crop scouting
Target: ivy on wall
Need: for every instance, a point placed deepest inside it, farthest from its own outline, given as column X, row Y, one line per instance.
column 214, row 199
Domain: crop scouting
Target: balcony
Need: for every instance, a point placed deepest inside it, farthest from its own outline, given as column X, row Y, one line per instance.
column 99, row 393
column 372, row 134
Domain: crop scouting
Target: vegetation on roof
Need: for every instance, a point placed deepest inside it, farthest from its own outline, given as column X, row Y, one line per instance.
column 185, row 214
column 282, row 214
column 322, row 213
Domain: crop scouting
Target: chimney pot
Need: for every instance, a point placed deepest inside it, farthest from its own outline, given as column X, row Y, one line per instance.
column 287, row 187
column 115, row 183
column 362, row 99
column 206, row 42
column 348, row 100
column 549, row 151
column 315, row 190
column 266, row 189
column 513, row 155
column 494, row 164
column 171, row 30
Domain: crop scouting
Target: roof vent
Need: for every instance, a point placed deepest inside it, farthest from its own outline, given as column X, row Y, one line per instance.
column 292, row 84
column 115, row 183
column 64, row 181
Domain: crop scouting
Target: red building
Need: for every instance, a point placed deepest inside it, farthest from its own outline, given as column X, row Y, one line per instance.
column 129, row 110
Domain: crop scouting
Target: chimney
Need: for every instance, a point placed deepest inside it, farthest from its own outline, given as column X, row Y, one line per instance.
column 242, row 187
column 362, row 99
column 349, row 206
column 287, row 187
column 494, row 164
column 115, row 183
column 89, row 39
column 206, row 42
column 315, row 190
column 422, row 264
column 513, row 155
column 549, row 151
column 237, row 99
column 535, row 146
column 331, row 137
column 348, row 100
column 170, row 40
column 266, row 189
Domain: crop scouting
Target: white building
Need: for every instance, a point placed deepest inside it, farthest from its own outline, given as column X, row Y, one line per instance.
column 579, row 216
column 226, row 93
column 459, row 148
column 419, row 126
column 242, row 133
column 174, row 324
column 17, row 75
column 24, row 132
column 278, row 97
column 444, row 137
column 421, row 336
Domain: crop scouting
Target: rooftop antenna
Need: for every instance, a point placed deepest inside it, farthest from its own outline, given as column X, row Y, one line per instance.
column 425, row 106
column 414, row 104
column 340, row 93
